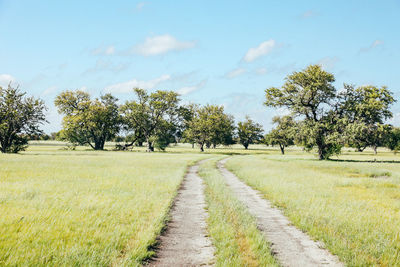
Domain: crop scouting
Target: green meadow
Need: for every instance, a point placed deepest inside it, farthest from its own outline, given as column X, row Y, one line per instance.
column 106, row 208
column 83, row 207
column 352, row 204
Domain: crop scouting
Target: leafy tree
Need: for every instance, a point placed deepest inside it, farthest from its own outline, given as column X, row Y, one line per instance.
column 153, row 116
column 249, row 132
column 284, row 133
column 393, row 140
column 210, row 125
column 187, row 114
column 86, row 121
column 20, row 117
column 366, row 109
column 309, row 94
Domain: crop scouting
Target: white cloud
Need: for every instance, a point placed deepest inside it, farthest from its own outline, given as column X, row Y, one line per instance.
column 235, row 73
column 140, row 5
column 374, row 44
column 259, row 51
column 49, row 91
column 261, row 71
column 5, row 79
column 161, row 44
column 190, row 89
column 395, row 120
column 107, row 65
column 308, row 14
column 107, row 51
column 126, row 87
column 328, row 62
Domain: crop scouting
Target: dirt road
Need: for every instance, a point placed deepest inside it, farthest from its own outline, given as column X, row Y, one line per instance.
column 291, row 246
column 185, row 242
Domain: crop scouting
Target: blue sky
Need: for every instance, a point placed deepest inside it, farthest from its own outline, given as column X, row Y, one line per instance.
column 217, row 52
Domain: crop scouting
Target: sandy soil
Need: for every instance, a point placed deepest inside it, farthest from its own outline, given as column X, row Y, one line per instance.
column 289, row 245
column 185, row 242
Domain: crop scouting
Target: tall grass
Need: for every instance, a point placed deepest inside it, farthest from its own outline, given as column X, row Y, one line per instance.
column 353, row 207
column 85, row 208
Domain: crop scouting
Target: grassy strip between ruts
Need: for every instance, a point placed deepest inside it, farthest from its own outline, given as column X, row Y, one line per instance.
column 353, row 207
column 85, row 208
column 233, row 230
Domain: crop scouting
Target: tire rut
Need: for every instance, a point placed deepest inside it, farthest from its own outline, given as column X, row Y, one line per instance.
column 185, row 241
column 290, row 246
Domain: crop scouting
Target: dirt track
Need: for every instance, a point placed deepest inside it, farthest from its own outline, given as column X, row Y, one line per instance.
column 185, row 242
column 290, row 246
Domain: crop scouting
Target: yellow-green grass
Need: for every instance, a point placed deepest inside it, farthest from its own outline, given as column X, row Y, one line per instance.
column 51, row 146
column 85, row 208
column 352, row 206
column 233, row 230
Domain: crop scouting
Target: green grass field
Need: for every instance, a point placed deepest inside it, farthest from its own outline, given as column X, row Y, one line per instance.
column 61, row 207
column 354, row 207
column 84, row 207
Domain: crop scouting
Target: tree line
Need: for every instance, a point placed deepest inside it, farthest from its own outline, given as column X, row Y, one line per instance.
column 319, row 117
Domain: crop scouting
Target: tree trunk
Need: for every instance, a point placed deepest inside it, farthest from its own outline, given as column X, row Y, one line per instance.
column 246, row 146
column 214, row 146
column 202, row 147
column 150, row 147
column 375, row 149
column 140, row 143
column 321, row 148
column 361, row 149
column 282, row 149
column 99, row 145
column 192, row 145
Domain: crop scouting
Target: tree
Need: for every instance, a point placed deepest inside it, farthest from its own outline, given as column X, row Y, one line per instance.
column 86, row 121
column 393, row 140
column 210, row 125
column 153, row 116
column 249, row 132
column 284, row 133
column 366, row 109
column 20, row 117
column 309, row 94
column 187, row 114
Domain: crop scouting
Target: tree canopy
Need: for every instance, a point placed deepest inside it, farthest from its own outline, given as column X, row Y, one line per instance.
column 283, row 134
column 329, row 119
column 152, row 115
column 20, row 116
column 249, row 132
column 86, row 121
column 365, row 109
column 210, row 126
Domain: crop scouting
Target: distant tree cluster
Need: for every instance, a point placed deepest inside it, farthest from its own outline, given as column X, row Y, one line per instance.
column 156, row 118
column 327, row 119
column 320, row 117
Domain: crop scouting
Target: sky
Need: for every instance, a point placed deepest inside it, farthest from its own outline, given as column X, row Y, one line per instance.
column 211, row 52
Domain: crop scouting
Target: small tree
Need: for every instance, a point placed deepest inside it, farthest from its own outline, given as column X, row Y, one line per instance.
column 210, row 126
column 284, row 133
column 88, row 122
column 154, row 116
column 249, row 132
column 20, row 117
column 393, row 140
column 365, row 110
